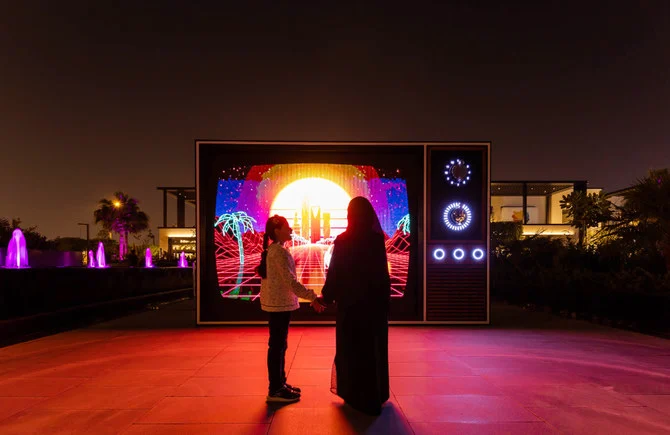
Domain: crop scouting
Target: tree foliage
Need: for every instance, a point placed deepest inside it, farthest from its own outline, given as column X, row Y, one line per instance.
column 34, row 239
column 121, row 215
column 641, row 226
column 586, row 211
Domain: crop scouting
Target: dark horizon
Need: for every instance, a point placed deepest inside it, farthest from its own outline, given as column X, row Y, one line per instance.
column 97, row 99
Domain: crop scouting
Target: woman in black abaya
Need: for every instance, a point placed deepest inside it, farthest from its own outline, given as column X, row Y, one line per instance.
column 358, row 281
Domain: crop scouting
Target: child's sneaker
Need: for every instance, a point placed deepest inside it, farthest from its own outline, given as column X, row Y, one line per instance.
column 292, row 388
column 283, row 395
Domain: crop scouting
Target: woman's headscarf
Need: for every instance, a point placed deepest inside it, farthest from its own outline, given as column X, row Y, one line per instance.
column 361, row 217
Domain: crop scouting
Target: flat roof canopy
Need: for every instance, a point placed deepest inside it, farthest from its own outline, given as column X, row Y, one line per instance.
column 533, row 188
column 188, row 193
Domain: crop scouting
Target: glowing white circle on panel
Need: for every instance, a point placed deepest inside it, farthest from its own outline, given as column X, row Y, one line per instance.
column 457, row 172
column 457, row 216
column 478, row 254
column 439, row 254
column 458, row 254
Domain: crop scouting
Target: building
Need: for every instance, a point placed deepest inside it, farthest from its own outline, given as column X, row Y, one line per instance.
column 178, row 237
column 536, row 204
column 618, row 197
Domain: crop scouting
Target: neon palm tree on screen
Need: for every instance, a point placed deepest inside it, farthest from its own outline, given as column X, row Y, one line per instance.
column 403, row 224
column 238, row 223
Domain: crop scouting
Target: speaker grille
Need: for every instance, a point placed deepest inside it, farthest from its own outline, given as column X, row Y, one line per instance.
column 456, row 294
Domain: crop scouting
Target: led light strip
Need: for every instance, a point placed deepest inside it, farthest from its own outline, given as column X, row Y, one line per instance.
column 450, row 178
column 458, row 254
column 453, row 225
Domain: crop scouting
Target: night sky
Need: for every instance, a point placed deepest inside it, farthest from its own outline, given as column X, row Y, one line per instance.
column 96, row 98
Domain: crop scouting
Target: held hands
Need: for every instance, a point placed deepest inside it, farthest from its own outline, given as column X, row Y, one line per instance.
column 318, row 307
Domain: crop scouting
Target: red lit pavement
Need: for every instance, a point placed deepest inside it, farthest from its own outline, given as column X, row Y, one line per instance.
column 154, row 373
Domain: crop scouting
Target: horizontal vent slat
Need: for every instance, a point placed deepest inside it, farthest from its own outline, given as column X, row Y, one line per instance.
column 456, row 293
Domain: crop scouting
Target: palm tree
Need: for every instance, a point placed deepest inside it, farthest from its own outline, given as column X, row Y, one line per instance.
column 647, row 206
column 238, row 223
column 586, row 211
column 123, row 216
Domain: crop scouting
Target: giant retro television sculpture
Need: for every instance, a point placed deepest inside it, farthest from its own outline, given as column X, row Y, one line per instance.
column 432, row 200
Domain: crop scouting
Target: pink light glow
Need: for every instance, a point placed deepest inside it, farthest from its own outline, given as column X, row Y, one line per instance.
column 91, row 260
column 182, row 260
column 148, row 262
column 17, row 254
column 100, row 257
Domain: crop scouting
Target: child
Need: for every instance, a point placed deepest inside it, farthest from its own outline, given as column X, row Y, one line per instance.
column 279, row 296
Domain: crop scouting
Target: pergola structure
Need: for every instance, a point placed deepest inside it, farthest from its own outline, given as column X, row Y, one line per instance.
column 183, row 195
column 174, row 239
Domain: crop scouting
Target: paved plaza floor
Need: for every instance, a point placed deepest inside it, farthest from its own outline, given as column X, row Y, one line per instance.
column 155, row 373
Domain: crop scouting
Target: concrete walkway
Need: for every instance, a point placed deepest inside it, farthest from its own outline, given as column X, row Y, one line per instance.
column 154, row 373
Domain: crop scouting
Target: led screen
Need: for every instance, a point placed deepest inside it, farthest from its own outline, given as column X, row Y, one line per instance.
column 313, row 197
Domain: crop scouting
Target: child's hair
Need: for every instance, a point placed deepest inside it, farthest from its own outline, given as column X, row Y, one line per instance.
column 274, row 223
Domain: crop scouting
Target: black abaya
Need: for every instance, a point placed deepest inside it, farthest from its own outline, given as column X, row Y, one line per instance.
column 358, row 280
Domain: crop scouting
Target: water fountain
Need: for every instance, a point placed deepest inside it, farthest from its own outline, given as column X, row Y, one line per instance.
column 17, row 254
column 182, row 260
column 91, row 260
column 148, row 262
column 100, row 257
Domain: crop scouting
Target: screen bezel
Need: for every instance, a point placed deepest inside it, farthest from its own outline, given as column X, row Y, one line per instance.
column 214, row 155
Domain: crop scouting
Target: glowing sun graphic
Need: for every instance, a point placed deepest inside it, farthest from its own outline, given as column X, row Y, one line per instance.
column 310, row 193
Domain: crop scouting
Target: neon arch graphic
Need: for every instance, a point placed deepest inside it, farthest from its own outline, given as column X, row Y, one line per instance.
column 457, row 216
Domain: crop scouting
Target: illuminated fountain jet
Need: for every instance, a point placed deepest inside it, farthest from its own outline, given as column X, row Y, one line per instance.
column 91, row 260
column 17, row 254
column 182, row 260
column 148, row 261
column 100, row 257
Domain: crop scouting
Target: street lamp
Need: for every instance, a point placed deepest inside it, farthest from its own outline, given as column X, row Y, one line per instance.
column 88, row 260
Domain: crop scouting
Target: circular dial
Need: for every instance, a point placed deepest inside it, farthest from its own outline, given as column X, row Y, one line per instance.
column 457, row 216
column 457, row 172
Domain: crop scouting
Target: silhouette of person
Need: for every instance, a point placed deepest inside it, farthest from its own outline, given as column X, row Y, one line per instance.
column 280, row 290
column 358, row 281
